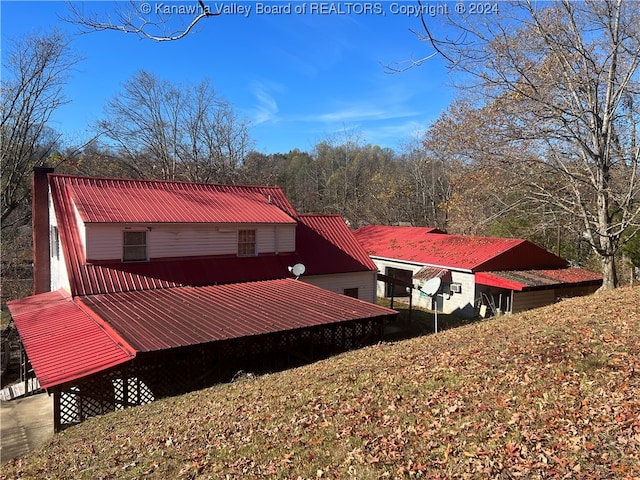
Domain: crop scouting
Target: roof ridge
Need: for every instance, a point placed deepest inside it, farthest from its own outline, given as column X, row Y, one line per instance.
column 160, row 181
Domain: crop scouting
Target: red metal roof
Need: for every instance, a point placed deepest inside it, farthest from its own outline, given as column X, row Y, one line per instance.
column 326, row 245
column 532, row 279
column 104, row 200
column 63, row 341
column 419, row 245
column 174, row 317
column 85, row 279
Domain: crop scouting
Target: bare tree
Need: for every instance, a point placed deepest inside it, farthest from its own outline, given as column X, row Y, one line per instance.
column 171, row 131
column 36, row 70
column 156, row 21
column 561, row 81
column 216, row 139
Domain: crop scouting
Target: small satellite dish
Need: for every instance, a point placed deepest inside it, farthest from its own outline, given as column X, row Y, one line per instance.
column 431, row 286
column 298, row 269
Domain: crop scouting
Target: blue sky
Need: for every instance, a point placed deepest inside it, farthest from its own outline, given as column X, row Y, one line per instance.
column 297, row 79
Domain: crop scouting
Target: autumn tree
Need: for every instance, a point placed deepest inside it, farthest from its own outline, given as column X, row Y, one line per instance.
column 172, row 131
column 561, row 81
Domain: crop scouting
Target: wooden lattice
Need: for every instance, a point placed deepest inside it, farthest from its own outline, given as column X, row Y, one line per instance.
column 155, row 375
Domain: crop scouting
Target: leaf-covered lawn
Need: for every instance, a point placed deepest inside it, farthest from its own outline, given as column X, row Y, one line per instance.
column 551, row 393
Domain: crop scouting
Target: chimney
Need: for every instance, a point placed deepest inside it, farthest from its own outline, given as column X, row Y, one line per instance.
column 40, row 227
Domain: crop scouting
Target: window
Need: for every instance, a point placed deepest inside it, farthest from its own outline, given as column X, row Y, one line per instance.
column 405, row 277
column 134, row 247
column 246, row 243
column 351, row 292
column 54, row 240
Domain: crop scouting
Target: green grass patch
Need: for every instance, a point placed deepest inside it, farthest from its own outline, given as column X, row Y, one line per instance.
column 416, row 321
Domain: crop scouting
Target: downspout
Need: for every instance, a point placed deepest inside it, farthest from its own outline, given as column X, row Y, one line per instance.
column 275, row 239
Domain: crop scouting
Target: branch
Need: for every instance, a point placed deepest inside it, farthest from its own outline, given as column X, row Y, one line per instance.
column 136, row 20
column 403, row 66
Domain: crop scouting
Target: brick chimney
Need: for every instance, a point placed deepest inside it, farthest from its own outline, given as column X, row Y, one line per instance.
column 40, row 226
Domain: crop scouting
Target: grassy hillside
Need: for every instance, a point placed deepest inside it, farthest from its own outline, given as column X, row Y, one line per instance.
column 551, row 393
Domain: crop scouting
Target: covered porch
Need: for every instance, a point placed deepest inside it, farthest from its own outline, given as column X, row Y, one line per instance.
column 102, row 353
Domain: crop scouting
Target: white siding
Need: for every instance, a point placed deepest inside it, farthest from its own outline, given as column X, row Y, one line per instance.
column 58, row 268
column 526, row 300
column 459, row 303
column 81, row 226
column 287, row 238
column 104, row 242
column 339, row 282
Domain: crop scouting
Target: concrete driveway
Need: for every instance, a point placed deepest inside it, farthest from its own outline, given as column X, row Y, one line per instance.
column 25, row 425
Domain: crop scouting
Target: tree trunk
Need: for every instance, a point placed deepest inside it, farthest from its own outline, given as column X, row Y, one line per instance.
column 609, row 277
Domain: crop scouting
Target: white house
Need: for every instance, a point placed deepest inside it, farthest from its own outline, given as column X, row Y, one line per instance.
column 145, row 288
column 110, row 235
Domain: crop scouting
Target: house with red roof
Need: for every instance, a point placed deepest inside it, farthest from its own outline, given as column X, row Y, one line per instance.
column 146, row 288
column 499, row 275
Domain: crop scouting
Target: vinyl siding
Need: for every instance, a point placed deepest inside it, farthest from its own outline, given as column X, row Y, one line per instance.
column 58, row 267
column 459, row 303
column 104, row 242
column 339, row 282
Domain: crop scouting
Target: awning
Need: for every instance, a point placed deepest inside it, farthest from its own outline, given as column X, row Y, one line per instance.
column 68, row 339
column 520, row 280
column 427, row 273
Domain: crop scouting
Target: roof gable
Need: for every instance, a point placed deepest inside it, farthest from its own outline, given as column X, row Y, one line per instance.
column 327, row 245
column 102, row 200
column 473, row 253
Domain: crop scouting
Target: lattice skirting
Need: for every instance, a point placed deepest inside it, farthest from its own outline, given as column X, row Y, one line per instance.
column 155, row 375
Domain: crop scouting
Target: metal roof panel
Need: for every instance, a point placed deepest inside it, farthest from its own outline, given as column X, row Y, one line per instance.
column 160, row 319
column 531, row 279
column 423, row 246
column 333, row 234
column 63, row 341
column 104, row 200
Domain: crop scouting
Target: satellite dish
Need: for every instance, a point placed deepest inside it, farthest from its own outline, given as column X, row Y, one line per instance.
column 431, row 286
column 298, row 269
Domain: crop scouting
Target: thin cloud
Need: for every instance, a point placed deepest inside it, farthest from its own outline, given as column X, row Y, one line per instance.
column 359, row 113
column 266, row 109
